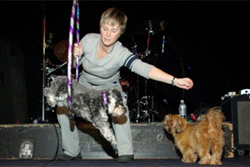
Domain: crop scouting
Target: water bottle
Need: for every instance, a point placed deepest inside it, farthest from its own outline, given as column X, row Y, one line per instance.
column 183, row 109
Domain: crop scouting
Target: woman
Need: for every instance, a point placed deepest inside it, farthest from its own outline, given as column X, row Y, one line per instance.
column 102, row 56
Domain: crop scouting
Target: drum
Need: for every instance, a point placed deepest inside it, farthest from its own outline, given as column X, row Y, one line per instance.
column 125, row 85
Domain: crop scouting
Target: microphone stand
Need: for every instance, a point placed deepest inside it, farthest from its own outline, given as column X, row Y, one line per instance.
column 150, row 31
column 137, row 117
column 183, row 74
column 44, row 66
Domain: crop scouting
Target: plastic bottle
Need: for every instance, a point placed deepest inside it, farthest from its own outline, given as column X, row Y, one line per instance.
column 183, row 109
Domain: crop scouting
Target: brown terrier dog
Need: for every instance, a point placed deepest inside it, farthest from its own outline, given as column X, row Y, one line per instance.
column 204, row 139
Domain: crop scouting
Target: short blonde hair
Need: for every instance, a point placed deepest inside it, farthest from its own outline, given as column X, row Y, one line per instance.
column 114, row 16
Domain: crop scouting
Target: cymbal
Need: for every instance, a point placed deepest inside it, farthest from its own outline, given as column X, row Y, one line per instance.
column 150, row 26
column 61, row 50
column 52, row 39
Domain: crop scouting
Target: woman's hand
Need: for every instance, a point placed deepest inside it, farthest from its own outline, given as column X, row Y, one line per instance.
column 184, row 83
column 77, row 50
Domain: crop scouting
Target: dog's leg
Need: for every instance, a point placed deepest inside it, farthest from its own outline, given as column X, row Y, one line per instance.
column 108, row 134
column 188, row 155
column 204, row 153
column 101, row 123
column 217, row 150
column 216, row 155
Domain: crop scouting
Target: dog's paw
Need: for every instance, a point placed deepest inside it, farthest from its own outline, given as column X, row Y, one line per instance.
column 190, row 160
column 114, row 143
column 204, row 161
column 118, row 111
column 215, row 162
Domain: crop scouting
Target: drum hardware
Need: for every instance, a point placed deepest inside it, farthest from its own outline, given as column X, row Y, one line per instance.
column 150, row 31
column 44, row 65
column 49, row 41
column 134, row 48
column 145, row 114
column 137, row 117
column 148, row 112
column 49, row 71
column 150, row 27
column 156, row 113
column 145, row 103
column 60, row 51
column 139, row 113
column 137, row 54
column 141, row 109
column 142, row 112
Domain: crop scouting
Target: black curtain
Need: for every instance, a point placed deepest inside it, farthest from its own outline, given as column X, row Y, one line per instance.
column 206, row 41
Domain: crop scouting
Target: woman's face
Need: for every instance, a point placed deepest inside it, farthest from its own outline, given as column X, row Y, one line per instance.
column 110, row 33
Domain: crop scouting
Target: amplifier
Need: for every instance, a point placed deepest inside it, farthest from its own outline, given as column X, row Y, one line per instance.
column 237, row 111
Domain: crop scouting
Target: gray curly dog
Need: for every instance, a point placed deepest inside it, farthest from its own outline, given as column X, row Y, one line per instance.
column 88, row 103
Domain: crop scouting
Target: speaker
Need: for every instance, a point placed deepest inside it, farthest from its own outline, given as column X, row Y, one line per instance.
column 13, row 101
column 237, row 111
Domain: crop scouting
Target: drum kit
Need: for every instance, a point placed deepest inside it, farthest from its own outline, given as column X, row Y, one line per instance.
column 59, row 60
column 54, row 61
column 141, row 107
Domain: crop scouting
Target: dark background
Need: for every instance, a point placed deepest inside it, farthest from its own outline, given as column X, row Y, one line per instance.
column 207, row 41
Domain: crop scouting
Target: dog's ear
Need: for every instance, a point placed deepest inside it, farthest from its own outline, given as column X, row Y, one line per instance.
column 52, row 77
column 45, row 91
column 180, row 124
column 169, row 123
column 165, row 120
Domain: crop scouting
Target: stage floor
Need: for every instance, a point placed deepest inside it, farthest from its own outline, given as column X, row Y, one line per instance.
column 227, row 162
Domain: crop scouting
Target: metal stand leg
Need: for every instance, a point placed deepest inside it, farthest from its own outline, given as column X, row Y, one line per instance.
column 44, row 69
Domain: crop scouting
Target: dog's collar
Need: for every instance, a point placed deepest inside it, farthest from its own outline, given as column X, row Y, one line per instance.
column 104, row 96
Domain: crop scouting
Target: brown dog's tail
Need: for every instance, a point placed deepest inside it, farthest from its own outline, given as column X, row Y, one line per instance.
column 215, row 117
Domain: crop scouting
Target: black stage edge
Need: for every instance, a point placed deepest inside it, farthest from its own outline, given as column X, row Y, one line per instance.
column 226, row 162
column 150, row 141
